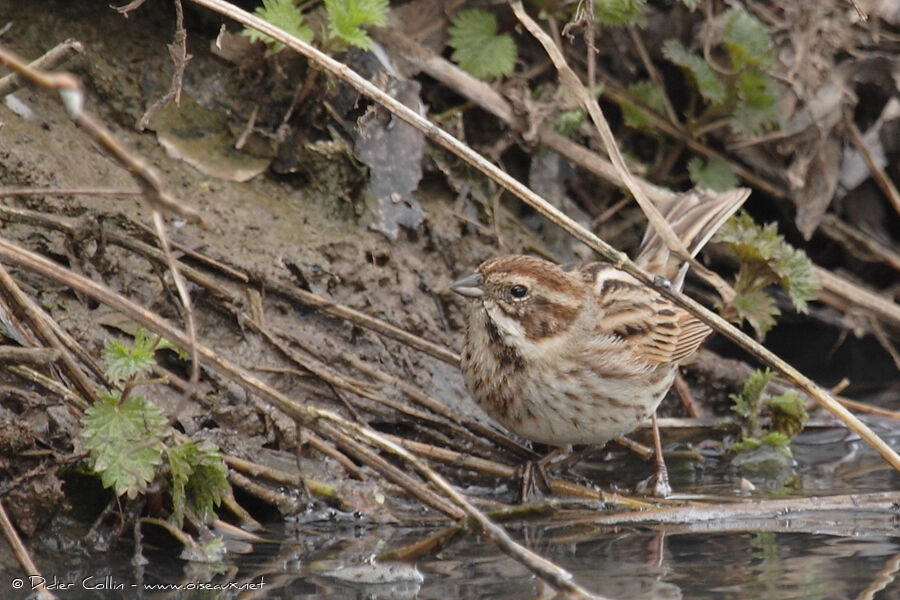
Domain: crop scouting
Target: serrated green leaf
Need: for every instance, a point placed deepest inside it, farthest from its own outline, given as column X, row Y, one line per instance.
column 766, row 258
column 124, row 362
column 716, row 174
column 199, row 476
column 691, row 4
column 282, row 14
column 748, row 240
column 618, row 13
column 634, row 114
column 124, row 441
column 747, row 41
column 795, row 274
column 568, row 121
column 757, row 109
column 788, row 413
column 346, row 19
column 747, row 403
column 778, row 440
column 757, row 308
column 745, row 445
column 477, row 48
column 704, row 77
column 209, row 481
column 179, row 471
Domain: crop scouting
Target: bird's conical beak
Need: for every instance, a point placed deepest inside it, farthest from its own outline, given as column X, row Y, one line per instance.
column 469, row 286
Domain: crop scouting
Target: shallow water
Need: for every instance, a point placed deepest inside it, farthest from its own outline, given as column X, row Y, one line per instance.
column 845, row 555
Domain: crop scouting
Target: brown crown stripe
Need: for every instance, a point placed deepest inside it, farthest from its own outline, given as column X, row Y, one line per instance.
column 529, row 268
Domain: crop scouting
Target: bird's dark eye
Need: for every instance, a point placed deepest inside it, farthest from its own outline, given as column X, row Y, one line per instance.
column 518, row 291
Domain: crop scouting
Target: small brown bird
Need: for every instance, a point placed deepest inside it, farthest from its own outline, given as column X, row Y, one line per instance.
column 584, row 353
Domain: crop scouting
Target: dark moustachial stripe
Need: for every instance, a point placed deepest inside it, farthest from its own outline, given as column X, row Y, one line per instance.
column 492, row 331
column 507, row 356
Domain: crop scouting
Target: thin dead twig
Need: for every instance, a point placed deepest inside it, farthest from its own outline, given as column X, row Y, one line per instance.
column 30, row 356
column 286, row 503
column 58, row 191
column 180, row 58
column 881, row 177
column 48, row 60
column 23, row 557
column 863, row 407
column 882, row 502
column 881, row 308
column 858, row 243
column 75, row 402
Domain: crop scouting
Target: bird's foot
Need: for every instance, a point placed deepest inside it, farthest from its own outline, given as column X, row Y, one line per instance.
column 534, row 473
column 657, row 484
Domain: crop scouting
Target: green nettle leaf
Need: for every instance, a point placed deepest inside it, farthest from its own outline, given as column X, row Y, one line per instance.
column 778, row 440
column 124, row 362
column 715, row 174
column 180, row 471
column 199, row 476
column 788, row 413
column 765, row 259
column 616, row 13
column 755, row 307
column 209, row 481
column 569, row 121
column 124, row 441
column 747, row 403
column 283, row 14
column 757, row 108
column 634, row 114
column 705, row 79
column 477, row 48
column 745, row 445
column 795, row 275
column 346, row 19
column 747, row 41
column 748, row 240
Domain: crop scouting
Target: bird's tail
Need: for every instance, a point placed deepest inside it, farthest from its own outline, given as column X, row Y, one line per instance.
column 694, row 216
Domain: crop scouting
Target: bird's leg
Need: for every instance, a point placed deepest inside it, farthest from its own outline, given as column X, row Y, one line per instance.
column 658, row 483
column 534, row 472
